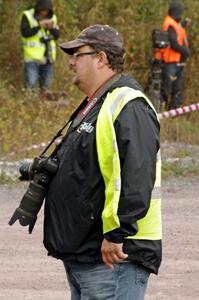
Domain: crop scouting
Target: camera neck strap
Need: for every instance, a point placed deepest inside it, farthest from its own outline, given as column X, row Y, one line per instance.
column 82, row 111
column 92, row 101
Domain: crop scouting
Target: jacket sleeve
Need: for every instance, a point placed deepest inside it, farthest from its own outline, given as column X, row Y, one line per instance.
column 26, row 30
column 185, row 52
column 137, row 131
column 55, row 32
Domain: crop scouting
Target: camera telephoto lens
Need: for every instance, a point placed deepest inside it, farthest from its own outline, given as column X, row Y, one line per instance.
column 30, row 205
column 40, row 172
column 25, row 171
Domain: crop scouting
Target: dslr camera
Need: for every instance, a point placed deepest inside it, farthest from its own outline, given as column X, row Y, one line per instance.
column 40, row 174
column 48, row 53
column 160, row 39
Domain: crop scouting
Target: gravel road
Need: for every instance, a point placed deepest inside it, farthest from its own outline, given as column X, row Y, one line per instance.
column 28, row 274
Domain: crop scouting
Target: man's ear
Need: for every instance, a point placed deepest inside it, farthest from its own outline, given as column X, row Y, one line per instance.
column 102, row 59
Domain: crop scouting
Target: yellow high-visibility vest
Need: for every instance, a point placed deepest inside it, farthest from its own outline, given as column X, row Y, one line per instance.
column 33, row 48
column 149, row 227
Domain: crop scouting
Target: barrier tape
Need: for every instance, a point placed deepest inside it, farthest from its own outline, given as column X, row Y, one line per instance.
column 38, row 146
column 166, row 114
column 179, row 111
column 42, row 145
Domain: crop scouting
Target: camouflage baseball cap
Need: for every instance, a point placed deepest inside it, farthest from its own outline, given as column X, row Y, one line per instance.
column 95, row 35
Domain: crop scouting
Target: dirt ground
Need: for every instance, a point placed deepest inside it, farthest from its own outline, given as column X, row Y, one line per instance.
column 26, row 273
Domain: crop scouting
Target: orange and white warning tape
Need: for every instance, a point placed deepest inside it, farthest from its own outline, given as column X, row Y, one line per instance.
column 26, row 149
column 179, row 111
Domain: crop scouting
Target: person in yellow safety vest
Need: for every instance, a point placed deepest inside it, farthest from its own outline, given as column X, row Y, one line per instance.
column 103, row 207
column 174, row 56
column 39, row 31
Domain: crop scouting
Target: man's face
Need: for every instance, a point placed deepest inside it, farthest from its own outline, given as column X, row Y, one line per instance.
column 84, row 67
column 43, row 13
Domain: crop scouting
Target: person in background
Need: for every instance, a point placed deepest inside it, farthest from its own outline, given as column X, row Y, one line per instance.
column 39, row 31
column 174, row 57
column 103, row 206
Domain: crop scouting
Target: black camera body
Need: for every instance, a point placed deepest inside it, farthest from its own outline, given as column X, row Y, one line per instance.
column 40, row 172
column 46, row 39
column 160, row 39
column 41, row 165
column 48, row 53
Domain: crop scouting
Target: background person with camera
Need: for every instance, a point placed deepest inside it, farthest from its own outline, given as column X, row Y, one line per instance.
column 174, row 56
column 39, row 31
column 102, row 214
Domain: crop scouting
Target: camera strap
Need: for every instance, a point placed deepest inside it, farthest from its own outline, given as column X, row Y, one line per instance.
column 82, row 111
column 93, row 100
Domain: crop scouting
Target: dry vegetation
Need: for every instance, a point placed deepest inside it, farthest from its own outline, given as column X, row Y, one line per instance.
column 27, row 119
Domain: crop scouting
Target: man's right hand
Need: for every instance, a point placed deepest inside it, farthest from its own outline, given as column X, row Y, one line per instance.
column 112, row 253
column 46, row 23
column 188, row 22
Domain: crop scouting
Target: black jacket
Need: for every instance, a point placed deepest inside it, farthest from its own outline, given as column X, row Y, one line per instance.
column 75, row 199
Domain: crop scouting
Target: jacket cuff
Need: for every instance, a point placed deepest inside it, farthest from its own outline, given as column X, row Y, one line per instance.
column 114, row 237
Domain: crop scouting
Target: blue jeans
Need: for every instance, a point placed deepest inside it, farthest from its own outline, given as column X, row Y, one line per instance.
column 171, row 85
column 37, row 73
column 97, row 282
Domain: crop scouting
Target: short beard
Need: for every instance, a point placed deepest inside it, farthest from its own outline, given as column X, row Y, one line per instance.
column 76, row 81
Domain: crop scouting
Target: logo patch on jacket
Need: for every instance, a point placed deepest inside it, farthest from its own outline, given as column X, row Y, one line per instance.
column 85, row 126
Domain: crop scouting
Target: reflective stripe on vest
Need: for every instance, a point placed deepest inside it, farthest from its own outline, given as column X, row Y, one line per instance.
column 149, row 227
column 170, row 55
column 33, row 48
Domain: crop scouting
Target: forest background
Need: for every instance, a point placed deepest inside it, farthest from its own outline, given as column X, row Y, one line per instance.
column 27, row 119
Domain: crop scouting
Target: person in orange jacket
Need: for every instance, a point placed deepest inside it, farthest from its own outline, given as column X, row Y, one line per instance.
column 174, row 56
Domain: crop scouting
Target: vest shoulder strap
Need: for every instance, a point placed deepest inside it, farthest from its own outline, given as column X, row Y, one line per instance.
column 121, row 96
column 30, row 17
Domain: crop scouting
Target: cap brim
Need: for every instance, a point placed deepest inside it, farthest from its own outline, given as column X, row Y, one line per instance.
column 70, row 46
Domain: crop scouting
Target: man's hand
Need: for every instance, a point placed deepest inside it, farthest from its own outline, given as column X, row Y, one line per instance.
column 46, row 23
column 188, row 21
column 112, row 253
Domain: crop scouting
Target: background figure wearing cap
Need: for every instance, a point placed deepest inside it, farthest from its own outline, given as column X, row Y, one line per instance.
column 39, row 31
column 175, row 56
column 102, row 211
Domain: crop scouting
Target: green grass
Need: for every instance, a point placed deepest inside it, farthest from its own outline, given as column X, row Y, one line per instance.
column 26, row 119
column 177, row 169
column 181, row 129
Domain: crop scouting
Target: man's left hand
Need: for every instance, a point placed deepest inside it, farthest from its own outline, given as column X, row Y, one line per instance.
column 46, row 23
column 188, row 21
column 112, row 253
